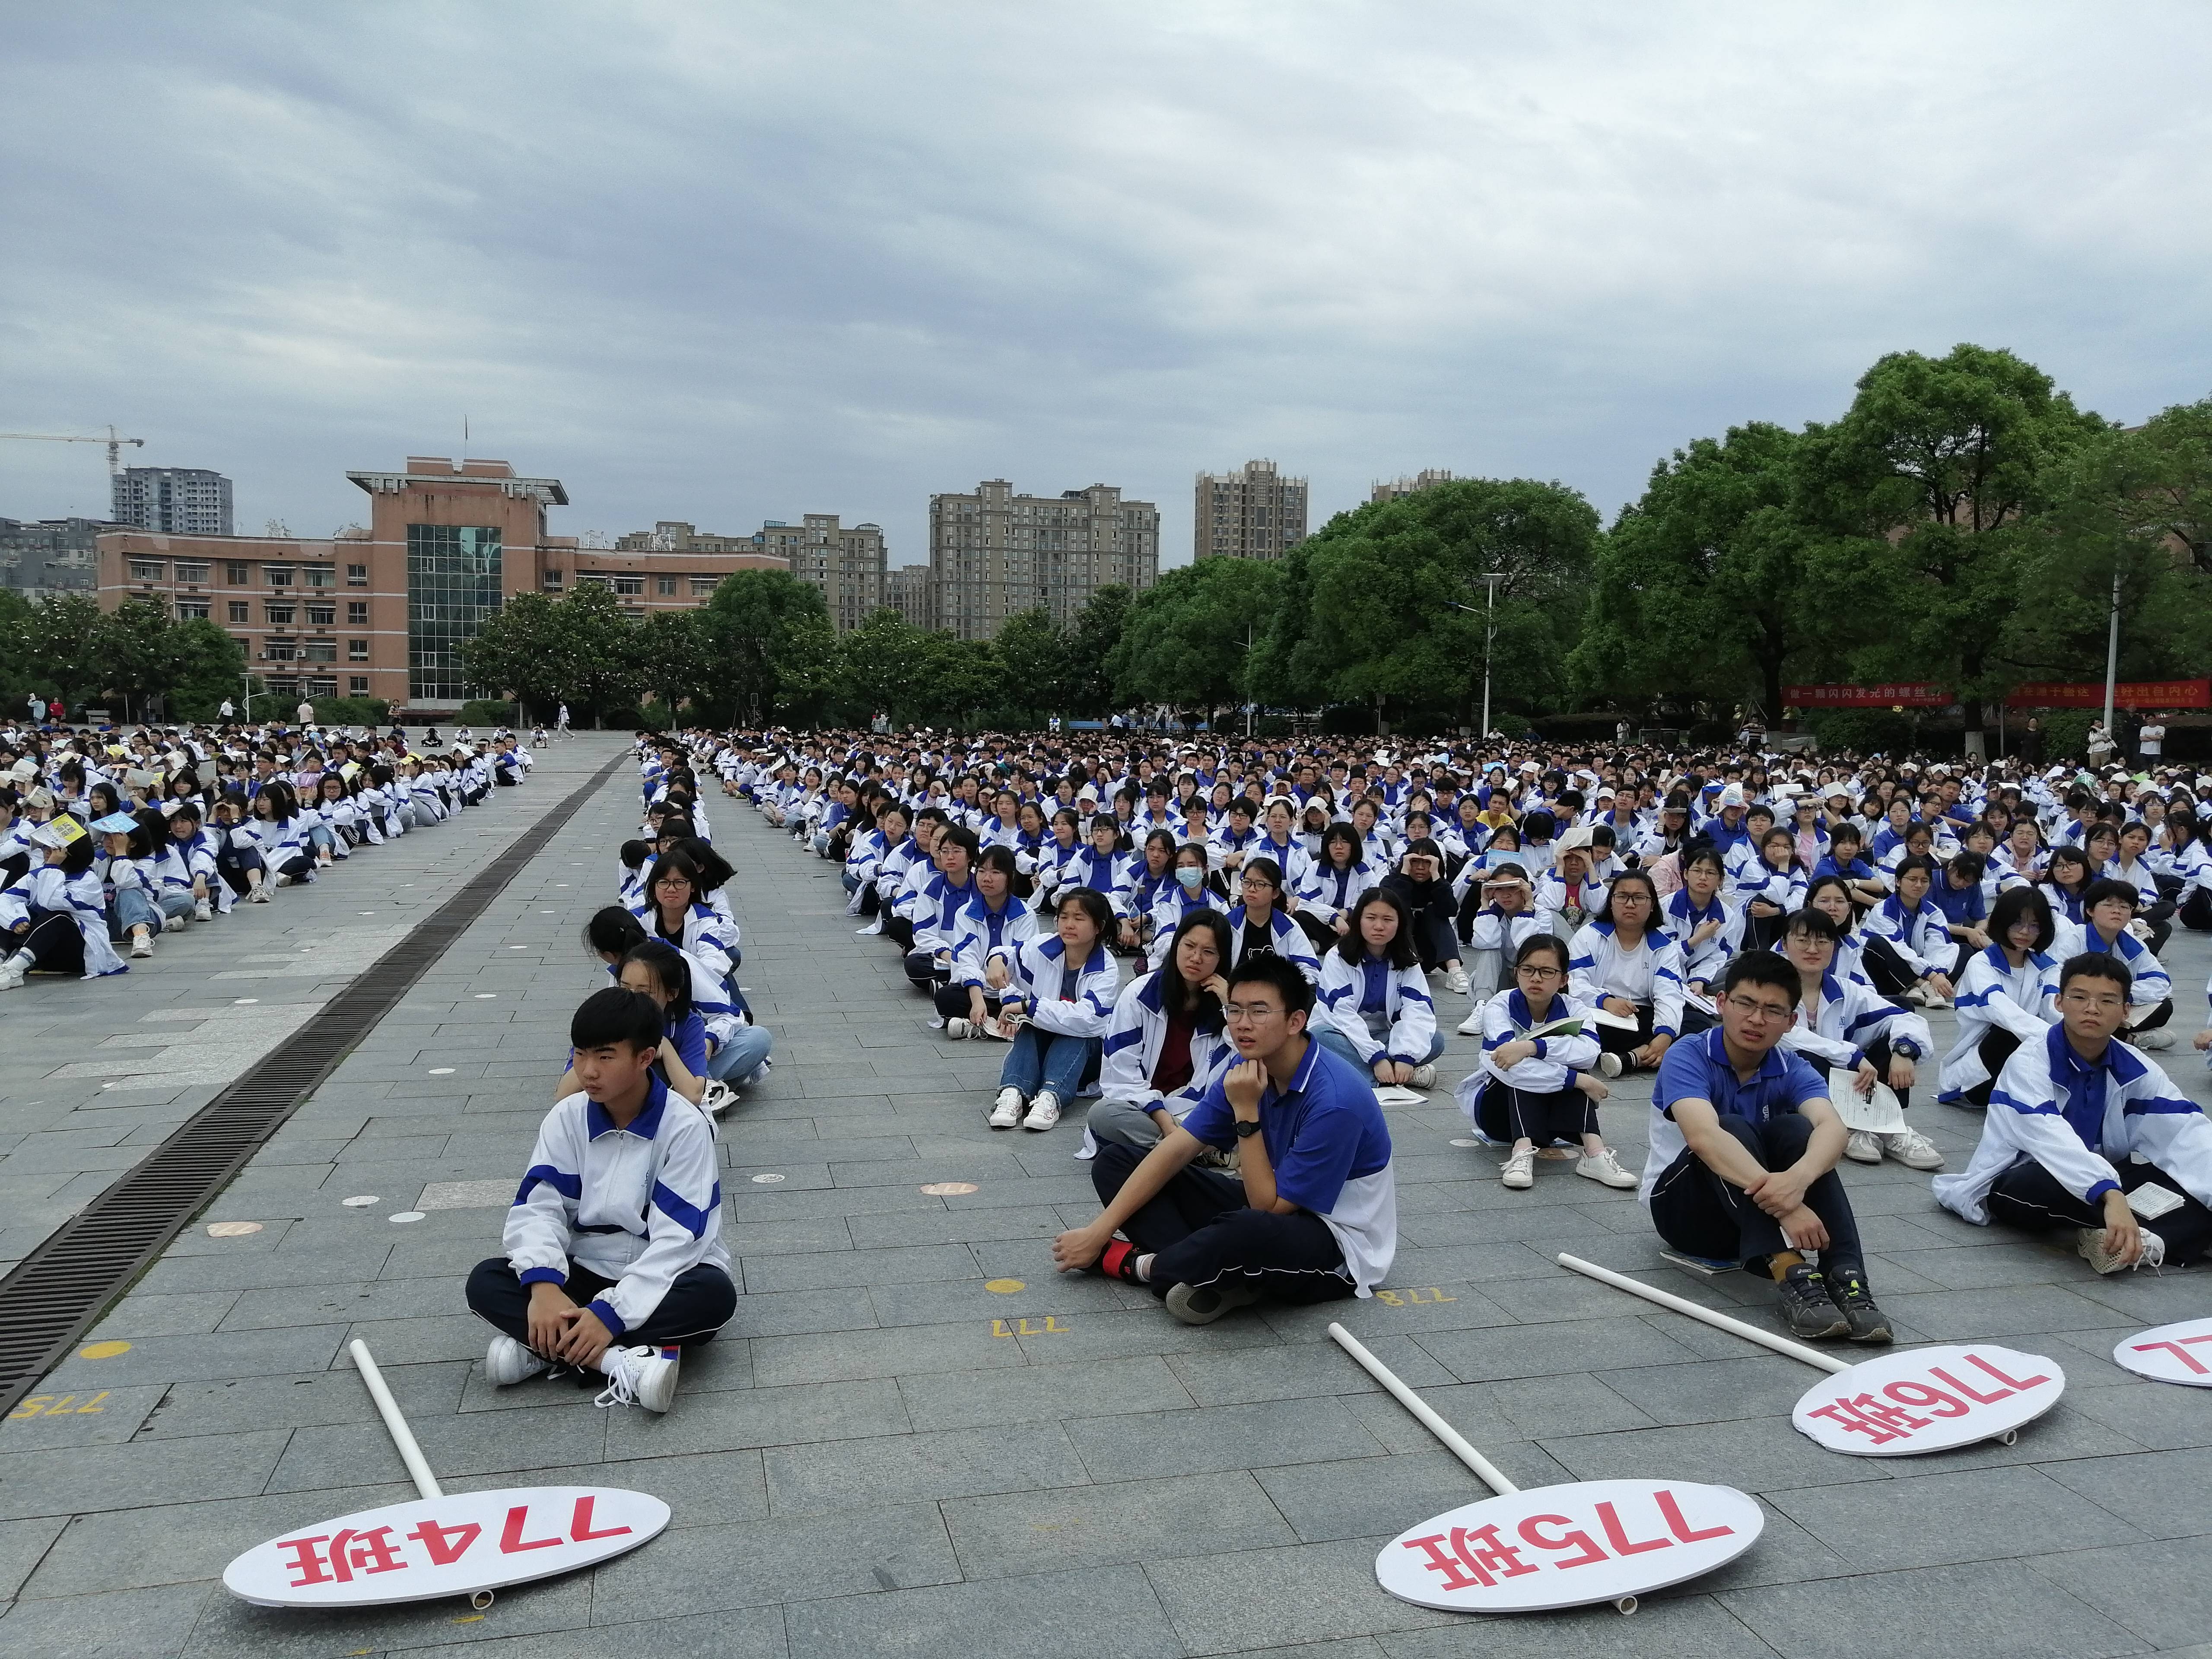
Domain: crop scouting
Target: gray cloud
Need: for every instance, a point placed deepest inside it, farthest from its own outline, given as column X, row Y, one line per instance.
column 729, row 262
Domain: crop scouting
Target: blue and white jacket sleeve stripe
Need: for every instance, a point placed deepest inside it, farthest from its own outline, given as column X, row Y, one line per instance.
column 684, row 1222
column 543, row 1218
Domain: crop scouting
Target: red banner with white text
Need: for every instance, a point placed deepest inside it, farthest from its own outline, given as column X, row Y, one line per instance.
column 1867, row 696
column 2129, row 694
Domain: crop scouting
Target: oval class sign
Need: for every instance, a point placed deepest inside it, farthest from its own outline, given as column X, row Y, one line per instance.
column 1568, row 1546
column 2170, row 1353
column 452, row 1545
column 1926, row 1400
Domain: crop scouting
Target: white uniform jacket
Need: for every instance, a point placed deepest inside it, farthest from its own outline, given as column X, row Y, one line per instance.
column 981, row 934
column 640, row 1205
column 1134, row 1039
column 1992, row 992
column 43, row 887
column 1040, row 975
column 2041, row 1103
column 1289, row 939
column 1652, row 973
column 1708, row 959
column 1327, row 893
column 1847, row 1015
column 1347, row 990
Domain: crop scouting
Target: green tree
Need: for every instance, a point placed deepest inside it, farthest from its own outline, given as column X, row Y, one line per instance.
column 1386, row 604
column 1704, row 589
column 809, row 664
column 202, row 666
column 880, row 668
column 66, row 647
column 1088, row 683
column 515, row 652
column 595, row 652
column 135, row 655
column 1188, row 634
column 1930, row 481
column 1034, row 657
column 958, row 678
column 674, row 662
column 750, row 626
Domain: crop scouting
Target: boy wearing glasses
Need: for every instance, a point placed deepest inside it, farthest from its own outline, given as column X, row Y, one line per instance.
column 2069, row 1118
column 1311, row 1212
column 1743, row 1152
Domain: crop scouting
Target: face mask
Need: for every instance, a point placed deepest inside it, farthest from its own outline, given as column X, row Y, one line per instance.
column 1189, row 878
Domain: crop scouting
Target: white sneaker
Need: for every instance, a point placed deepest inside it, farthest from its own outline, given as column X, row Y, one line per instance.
column 1608, row 1064
column 509, row 1362
column 2094, row 1246
column 1456, row 980
column 2157, row 1041
column 1603, row 1167
column 875, row 927
column 1424, row 1076
column 1915, row 998
column 142, row 945
column 12, row 972
column 640, row 1376
column 1008, row 1112
column 717, row 1097
column 1863, row 1146
column 959, row 1029
column 1519, row 1170
column 258, row 896
column 1471, row 1026
column 1044, row 1111
column 1912, row 1149
column 204, row 910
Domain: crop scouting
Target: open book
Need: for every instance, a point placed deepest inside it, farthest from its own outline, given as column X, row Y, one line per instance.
column 1618, row 1022
column 1571, row 1026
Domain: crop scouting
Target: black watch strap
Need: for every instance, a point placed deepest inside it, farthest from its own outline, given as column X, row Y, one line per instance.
column 1245, row 1130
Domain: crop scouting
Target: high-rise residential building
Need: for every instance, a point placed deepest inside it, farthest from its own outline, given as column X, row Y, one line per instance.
column 1427, row 478
column 173, row 501
column 51, row 556
column 906, row 590
column 1254, row 513
column 993, row 554
column 845, row 562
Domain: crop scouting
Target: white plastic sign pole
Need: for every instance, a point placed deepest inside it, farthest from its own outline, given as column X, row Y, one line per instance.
column 2170, row 1353
column 1554, row 1547
column 1918, row 1400
column 466, row 1545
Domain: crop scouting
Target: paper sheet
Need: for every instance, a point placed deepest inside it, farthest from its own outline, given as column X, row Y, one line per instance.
column 1396, row 1094
column 1881, row 1116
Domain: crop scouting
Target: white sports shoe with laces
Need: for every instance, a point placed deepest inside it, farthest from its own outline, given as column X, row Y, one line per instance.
column 640, row 1376
column 1008, row 1112
column 508, row 1362
column 1912, row 1149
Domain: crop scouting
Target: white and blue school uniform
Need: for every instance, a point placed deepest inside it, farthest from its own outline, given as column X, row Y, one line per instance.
column 1329, row 893
column 2078, row 1119
column 1556, row 904
column 1756, row 880
column 1112, row 873
column 981, row 934
column 1846, row 1016
column 1290, row 941
column 1994, row 994
column 1549, row 1070
column 1706, row 961
column 43, row 890
column 1921, row 937
column 1174, row 903
column 2150, row 984
column 935, row 912
column 640, row 1205
column 1061, row 1000
column 1135, row 1037
column 1382, row 1011
column 1291, row 858
column 706, row 936
column 1650, row 976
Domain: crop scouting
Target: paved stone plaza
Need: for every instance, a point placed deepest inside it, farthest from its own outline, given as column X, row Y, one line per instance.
column 915, row 1438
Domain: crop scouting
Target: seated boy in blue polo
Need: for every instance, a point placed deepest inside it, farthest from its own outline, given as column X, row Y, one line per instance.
column 1743, row 1152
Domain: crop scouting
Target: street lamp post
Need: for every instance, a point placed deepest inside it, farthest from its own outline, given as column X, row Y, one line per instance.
column 2113, row 658
column 1491, row 578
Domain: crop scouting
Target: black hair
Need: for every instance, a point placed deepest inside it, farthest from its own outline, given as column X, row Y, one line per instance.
column 608, row 1018
column 1266, row 868
column 1703, row 853
column 1764, row 968
column 1919, row 861
column 2073, row 855
column 1818, row 923
column 1535, row 944
column 1001, row 859
column 1846, row 831
column 1345, row 833
column 1092, row 903
column 2097, row 964
column 678, row 862
column 2017, row 904
column 634, row 853
column 962, row 836
column 1204, row 1007
column 2105, row 888
column 1650, row 887
column 667, row 964
column 1539, row 825
column 1967, row 867
column 1268, row 968
column 612, row 932
column 1399, row 952
column 186, row 807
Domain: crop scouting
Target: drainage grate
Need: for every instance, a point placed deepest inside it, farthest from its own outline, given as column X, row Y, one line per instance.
column 57, row 1291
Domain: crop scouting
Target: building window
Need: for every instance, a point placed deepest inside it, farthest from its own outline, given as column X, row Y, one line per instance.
column 320, row 575
column 190, row 573
column 240, row 611
column 358, row 613
column 286, row 689
column 453, row 585
column 358, row 684
column 277, row 576
column 278, row 651
column 703, row 585
column 629, row 584
column 145, row 570
column 237, row 573
column 664, row 586
column 191, row 610
column 320, row 651
column 357, row 650
column 553, row 581
column 326, row 686
column 356, row 575
column 280, row 616
column 321, row 616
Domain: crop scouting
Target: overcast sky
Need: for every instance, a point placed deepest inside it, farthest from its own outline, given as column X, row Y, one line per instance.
column 734, row 262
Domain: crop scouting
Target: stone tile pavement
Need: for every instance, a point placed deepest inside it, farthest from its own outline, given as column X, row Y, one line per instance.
column 915, row 1437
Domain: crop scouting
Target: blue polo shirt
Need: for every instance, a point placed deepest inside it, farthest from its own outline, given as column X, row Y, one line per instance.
column 1325, row 1129
column 1959, row 904
column 1697, row 1068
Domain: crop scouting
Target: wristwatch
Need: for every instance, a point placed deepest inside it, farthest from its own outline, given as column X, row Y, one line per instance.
column 1246, row 1128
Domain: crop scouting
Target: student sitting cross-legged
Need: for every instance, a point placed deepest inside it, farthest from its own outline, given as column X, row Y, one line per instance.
column 1375, row 1009
column 1743, row 1152
column 1532, row 1090
column 1166, row 1043
column 614, row 1245
column 1311, row 1212
column 1055, row 1009
column 2077, row 1122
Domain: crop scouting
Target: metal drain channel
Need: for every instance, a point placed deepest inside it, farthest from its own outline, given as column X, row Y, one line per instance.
column 57, row 1292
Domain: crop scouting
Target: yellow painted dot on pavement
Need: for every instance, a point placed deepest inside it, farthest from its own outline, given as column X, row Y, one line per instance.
column 102, row 1350
column 1005, row 1287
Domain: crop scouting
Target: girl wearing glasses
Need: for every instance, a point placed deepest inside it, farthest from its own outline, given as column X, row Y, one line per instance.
column 1538, row 1091
column 1627, row 965
column 1375, row 1009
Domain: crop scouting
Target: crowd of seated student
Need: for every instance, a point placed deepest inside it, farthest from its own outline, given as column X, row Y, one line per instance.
column 1228, row 951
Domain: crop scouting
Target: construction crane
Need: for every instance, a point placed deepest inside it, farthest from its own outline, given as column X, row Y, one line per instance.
column 114, row 444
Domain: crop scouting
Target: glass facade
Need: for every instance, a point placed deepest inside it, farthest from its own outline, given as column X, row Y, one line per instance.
column 453, row 585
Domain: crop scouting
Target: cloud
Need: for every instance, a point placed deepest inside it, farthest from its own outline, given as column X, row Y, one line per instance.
column 728, row 263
